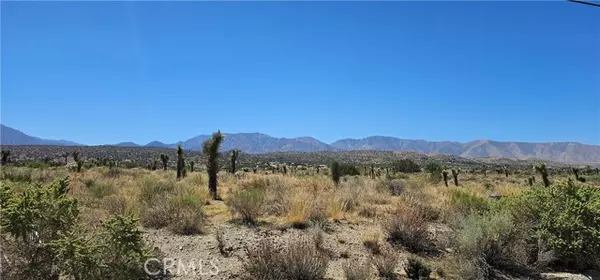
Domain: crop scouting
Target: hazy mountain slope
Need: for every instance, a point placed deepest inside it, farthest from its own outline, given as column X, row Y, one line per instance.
column 11, row 136
column 254, row 143
column 261, row 143
column 558, row 151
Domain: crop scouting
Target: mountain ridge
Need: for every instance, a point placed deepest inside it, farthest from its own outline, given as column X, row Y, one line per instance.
column 256, row 143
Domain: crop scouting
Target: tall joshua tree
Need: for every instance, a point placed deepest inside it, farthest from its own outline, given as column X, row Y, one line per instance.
column 5, row 156
column 445, row 175
column 165, row 159
column 210, row 148
column 335, row 172
column 233, row 156
column 192, row 166
column 180, row 162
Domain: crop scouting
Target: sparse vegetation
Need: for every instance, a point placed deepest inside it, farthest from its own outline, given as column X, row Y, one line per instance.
column 530, row 228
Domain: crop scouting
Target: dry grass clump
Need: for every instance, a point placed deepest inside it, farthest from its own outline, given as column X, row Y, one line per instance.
column 386, row 265
column 247, row 203
column 301, row 259
column 354, row 271
column 407, row 226
column 371, row 242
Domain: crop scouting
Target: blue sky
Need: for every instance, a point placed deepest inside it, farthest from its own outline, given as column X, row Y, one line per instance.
column 109, row 72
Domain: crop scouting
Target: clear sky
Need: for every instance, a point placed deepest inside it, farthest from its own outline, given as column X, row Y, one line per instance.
column 108, row 72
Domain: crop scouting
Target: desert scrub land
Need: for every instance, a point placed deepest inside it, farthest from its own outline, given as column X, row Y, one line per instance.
column 319, row 223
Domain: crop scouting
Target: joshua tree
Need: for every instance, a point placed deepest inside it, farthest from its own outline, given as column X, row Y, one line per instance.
column 191, row 166
column 445, row 175
column 372, row 172
column 180, row 162
column 234, row 155
column 317, row 169
column 455, row 175
column 544, row 173
column 254, row 170
column 165, row 159
column 484, row 169
column 77, row 160
column 66, row 156
column 284, row 170
column 210, row 148
column 506, row 172
column 530, row 181
column 335, row 172
column 5, row 156
column 154, row 164
column 576, row 173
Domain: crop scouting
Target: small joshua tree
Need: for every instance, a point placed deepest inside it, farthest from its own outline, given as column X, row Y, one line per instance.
column 445, row 175
column 210, row 148
column 544, row 173
column 154, row 165
column 317, row 169
column 530, row 181
column 335, row 172
column 506, row 172
column 180, row 162
column 191, row 166
column 284, row 170
column 165, row 159
column 77, row 160
column 576, row 173
column 5, row 156
column 455, row 176
column 233, row 156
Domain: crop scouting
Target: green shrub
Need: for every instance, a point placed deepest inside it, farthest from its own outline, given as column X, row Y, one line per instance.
column 405, row 166
column 417, row 269
column 43, row 239
column 348, row 169
column 248, row 203
column 408, row 227
column 491, row 240
column 567, row 216
column 151, row 188
column 466, row 202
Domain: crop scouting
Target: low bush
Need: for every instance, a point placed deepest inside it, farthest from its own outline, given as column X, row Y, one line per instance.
column 299, row 260
column 416, row 268
column 465, row 202
column 567, row 217
column 407, row 226
column 354, row 271
column 397, row 186
column 247, row 203
column 43, row 239
column 386, row 265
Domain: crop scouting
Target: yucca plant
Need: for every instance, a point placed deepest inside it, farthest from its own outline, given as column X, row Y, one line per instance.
column 455, row 176
column 335, row 172
column 544, row 173
column 5, row 156
column 180, row 162
column 210, row 148
column 445, row 175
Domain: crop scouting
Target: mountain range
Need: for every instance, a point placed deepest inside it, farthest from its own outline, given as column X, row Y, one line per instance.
column 567, row 152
